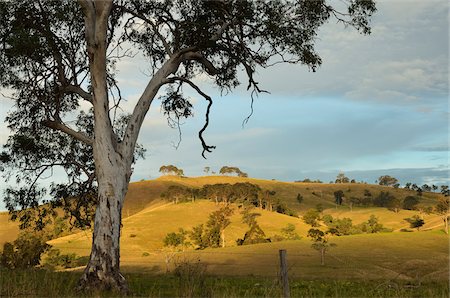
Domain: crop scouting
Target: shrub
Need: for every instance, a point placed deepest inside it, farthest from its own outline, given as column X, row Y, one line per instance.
column 24, row 252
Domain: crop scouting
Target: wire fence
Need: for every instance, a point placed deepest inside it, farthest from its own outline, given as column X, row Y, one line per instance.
column 300, row 264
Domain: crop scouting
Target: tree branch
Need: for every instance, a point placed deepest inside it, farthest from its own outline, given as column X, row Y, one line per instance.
column 206, row 148
column 78, row 90
column 63, row 128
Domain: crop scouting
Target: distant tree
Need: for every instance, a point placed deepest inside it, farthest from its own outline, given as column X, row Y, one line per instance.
column 311, row 217
column 373, row 225
column 367, row 198
column 338, row 197
column 213, row 233
column 216, row 225
column 434, row 187
column 387, row 180
column 338, row 226
column 171, row 170
column 426, row 187
column 319, row 208
column 353, row 181
column 445, row 190
column 176, row 240
column 225, row 170
column 266, row 198
column 321, row 243
column 395, row 204
column 383, row 199
column 443, row 209
column 410, row 203
column 248, row 193
column 206, row 170
column 341, row 178
column 299, row 198
column 415, row 222
column 408, row 185
column 354, row 201
column 254, row 234
column 176, row 193
column 289, row 232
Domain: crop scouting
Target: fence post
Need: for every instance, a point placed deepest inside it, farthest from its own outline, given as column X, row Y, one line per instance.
column 284, row 274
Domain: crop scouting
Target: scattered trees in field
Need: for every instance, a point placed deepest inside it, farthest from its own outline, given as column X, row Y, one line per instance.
column 57, row 56
column 171, row 170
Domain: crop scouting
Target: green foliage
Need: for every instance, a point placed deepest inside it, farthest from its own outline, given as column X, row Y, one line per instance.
column 311, row 217
column 56, row 259
column 225, row 170
column 415, row 222
column 410, row 202
column 299, row 198
column 176, row 240
column 338, row 226
column 213, row 234
column 24, row 252
column 338, row 197
column 372, row 225
column 171, row 170
column 191, row 276
column 387, row 180
column 341, row 178
column 321, row 243
column 254, row 234
column 289, row 233
column 177, row 194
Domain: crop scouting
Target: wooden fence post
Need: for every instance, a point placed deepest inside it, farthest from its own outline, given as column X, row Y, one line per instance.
column 284, row 274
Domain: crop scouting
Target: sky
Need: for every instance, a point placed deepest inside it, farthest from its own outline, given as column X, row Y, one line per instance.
column 377, row 106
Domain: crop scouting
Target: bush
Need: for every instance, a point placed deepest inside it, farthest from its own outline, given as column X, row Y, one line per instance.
column 56, row 259
column 24, row 252
column 191, row 278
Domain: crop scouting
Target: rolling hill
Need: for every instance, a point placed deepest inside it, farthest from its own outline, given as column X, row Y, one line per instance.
column 148, row 219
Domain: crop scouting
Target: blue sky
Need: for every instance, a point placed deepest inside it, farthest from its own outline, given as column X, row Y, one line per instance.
column 378, row 105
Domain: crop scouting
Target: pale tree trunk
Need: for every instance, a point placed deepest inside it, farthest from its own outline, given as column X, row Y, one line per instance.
column 322, row 257
column 112, row 158
column 223, row 238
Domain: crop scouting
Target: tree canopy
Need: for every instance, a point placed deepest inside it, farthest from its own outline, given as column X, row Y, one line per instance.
column 57, row 57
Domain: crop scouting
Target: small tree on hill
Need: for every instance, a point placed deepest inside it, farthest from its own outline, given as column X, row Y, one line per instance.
column 410, row 202
column 299, row 198
column 321, row 243
column 341, row 178
column 338, row 197
column 311, row 217
column 254, row 234
column 171, row 170
column 443, row 209
column 415, row 222
column 387, row 180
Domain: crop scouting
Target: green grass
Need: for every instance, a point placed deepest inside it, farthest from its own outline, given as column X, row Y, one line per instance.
column 40, row 283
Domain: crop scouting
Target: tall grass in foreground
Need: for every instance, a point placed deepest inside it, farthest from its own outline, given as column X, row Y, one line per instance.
column 41, row 283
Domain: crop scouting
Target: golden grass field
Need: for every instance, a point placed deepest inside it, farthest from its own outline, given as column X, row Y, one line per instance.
column 147, row 220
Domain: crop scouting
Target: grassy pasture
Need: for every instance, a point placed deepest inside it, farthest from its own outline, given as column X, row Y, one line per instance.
column 40, row 283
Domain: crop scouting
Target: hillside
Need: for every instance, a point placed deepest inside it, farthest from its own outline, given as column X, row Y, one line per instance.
column 145, row 195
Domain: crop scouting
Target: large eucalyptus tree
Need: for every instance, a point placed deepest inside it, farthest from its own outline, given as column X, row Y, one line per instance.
column 54, row 55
